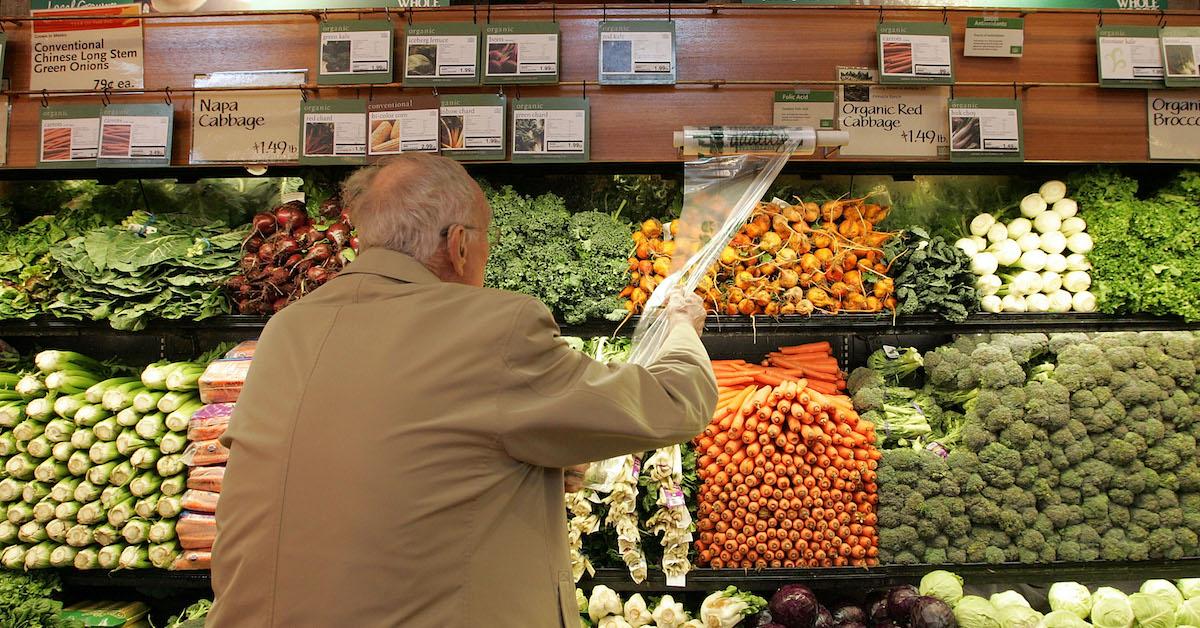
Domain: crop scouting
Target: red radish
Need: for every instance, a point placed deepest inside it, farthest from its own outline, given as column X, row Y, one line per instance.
column 338, row 232
column 317, row 275
column 253, row 243
column 264, row 223
column 266, row 253
column 331, row 208
column 320, row 252
column 291, row 216
column 286, row 246
column 293, row 260
column 278, row 276
column 236, row 282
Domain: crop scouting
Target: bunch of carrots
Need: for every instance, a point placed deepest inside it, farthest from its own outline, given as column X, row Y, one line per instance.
column 788, row 469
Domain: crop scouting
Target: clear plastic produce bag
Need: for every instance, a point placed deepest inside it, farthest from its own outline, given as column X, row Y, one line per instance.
column 719, row 194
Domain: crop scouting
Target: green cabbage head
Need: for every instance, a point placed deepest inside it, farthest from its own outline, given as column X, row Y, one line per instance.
column 1111, row 609
column 1017, row 616
column 1189, row 587
column 1165, row 589
column 942, row 585
column 1064, row 619
column 975, row 612
column 1152, row 611
column 1071, row 597
column 1188, row 613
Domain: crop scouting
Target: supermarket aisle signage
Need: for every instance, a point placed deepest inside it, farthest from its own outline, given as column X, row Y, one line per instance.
column 550, row 130
column 1129, row 56
column 892, row 121
column 1124, row 5
column 442, row 54
column 246, row 126
column 69, row 136
column 805, row 107
column 402, row 125
column 986, row 129
column 991, row 36
column 354, row 52
column 208, row 6
column 92, row 54
column 1181, row 55
column 1173, row 120
column 637, row 52
column 915, row 53
column 135, row 135
column 520, row 52
column 333, row 131
column 471, row 126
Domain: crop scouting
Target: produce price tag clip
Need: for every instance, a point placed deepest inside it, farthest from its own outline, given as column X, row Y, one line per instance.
column 1100, row 18
column 554, row 12
column 945, row 16
column 106, row 97
column 410, row 16
column 585, row 89
column 1014, row 90
column 1162, row 18
column 45, row 98
column 881, row 14
column 167, row 96
column 304, row 94
column 668, row 11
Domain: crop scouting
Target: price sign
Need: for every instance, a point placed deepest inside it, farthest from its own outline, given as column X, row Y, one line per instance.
column 4, row 114
column 86, row 54
column 915, row 52
column 442, row 54
column 135, row 135
column 402, row 125
column 995, row 37
column 333, row 131
column 1181, row 55
column 986, row 129
column 893, row 121
column 69, row 136
column 1173, row 120
column 1129, row 56
column 520, row 52
column 550, row 129
column 637, row 52
column 471, row 126
column 355, row 52
column 805, row 107
column 232, row 126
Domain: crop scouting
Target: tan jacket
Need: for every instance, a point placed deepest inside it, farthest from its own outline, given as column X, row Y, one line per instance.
column 397, row 455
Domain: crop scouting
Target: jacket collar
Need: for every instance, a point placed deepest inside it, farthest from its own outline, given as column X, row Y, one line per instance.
column 391, row 264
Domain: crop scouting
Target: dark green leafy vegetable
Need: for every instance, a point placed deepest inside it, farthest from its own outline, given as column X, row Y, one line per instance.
column 932, row 276
column 25, row 601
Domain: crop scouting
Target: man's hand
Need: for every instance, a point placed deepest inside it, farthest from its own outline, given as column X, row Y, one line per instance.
column 573, row 477
column 687, row 309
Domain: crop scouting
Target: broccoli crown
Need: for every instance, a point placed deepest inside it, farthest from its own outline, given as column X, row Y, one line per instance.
column 1018, row 435
column 950, row 369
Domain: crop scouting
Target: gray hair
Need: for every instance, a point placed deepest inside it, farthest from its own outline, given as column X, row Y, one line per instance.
column 403, row 203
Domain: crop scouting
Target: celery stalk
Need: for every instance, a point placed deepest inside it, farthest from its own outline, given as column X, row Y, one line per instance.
column 31, row 386
column 11, row 489
column 8, row 532
column 122, row 474
column 170, row 465
column 8, row 444
column 95, row 394
column 184, row 379
column 147, row 506
column 122, row 512
column 134, row 557
column 87, row 492
column 13, row 556
column 90, row 415
column 146, row 483
column 59, row 430
column 87, row 558
column 177, row 421
column 50, row 471
column 129, row 417
column 174, row 485
column 43, row 511
column 120, row 397
column 11, row 413
column 128, row 442
column 172, row 442
column 63, row 556
column 152, row 426
column 67, row 511
column 32, row 532
column 80, row 535
column 163, row 555
column 51, row 360
column 34, row 492
column 65, row 406
column 106, row 534
column 99, row 474
column 114, row 495
column 91, row 513
column 169, row 507
column 40, row 448
column 110, row 556
column 21, row 466
column 28, row 430
column 136, row 531
column 71, row 382
column 38, row 556
column 79, row 463
column 56, row 530
column 64, row 489
column 103, row 452
column 145, row 458
column 173, row 401
column 147, row 401
column 62, row 451
column 162, row 531
column 83, row 438
column 107, row 430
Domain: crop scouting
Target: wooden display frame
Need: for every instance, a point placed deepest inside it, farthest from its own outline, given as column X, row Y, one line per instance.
column 1067, row 117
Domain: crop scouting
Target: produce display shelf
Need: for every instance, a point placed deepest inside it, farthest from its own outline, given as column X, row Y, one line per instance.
column 832, row 324
column 704, row 580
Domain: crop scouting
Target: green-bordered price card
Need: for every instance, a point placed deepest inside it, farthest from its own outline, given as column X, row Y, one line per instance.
column 69, row 136
column 135, row 135
column 1181, row 55
column 471, row 127
column 637, row 52
column 1129, row 56
column 521, row 52
column 915, row 53
column 550, row 129
column 805, row 107
column 990, row 36
column 3, row 49
column 4, row 117
column 407, row 124
column 355, row 52
column 986, row 129
column 1173, row 120
column 442, row 54
column 333, row 131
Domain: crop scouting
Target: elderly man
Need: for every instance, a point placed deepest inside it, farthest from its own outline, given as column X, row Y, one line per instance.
column 397, row 452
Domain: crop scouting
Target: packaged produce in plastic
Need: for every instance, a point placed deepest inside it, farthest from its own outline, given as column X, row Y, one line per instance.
column 210, row 421
column 205, row 453
column 196, row 530
column 200, row 501
column 124, row 614
column 206, row 478
column 223, row 379
column 244, row 349
column 194, row 559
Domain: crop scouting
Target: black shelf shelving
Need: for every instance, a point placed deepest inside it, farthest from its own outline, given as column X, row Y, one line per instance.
column 707, row 580
column 817, row 324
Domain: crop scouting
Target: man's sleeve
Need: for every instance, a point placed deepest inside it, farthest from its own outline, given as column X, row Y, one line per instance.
column 566, row 409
